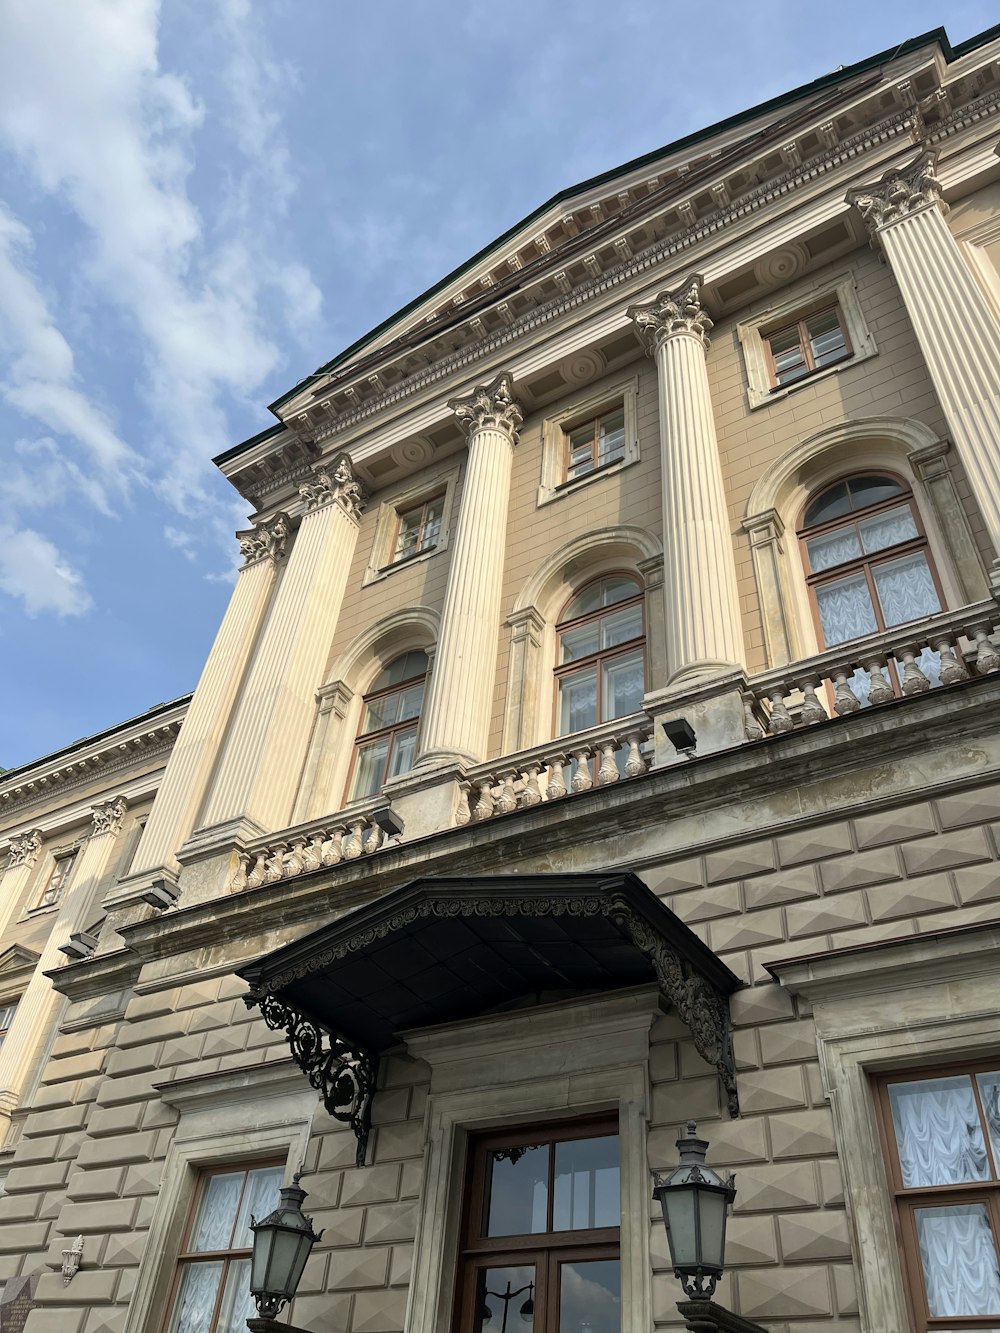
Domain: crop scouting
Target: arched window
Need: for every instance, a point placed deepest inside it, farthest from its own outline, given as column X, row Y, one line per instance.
column 601, row 670
column 866, row 558
column 387, row 736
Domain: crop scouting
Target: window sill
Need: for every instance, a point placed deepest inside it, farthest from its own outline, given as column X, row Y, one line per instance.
column 547, row 494
column 407, row 562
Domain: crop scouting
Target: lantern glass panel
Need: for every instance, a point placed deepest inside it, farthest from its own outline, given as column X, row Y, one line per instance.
column 260, row 1263
column 712, row 1207
column 679, row 1209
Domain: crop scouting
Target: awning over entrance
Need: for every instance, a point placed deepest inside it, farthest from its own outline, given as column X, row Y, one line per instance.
column 443, row 950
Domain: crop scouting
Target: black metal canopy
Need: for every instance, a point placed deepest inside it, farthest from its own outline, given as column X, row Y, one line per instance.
column 442, row 950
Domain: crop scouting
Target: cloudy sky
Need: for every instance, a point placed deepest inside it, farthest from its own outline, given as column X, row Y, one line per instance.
column 202, row 200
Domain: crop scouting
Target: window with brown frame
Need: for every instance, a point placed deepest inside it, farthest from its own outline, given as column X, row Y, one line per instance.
column 387, row 737
column 211, row 1288
column 595, row 444
column 540, row 1231
column 55, row 884
column 7, row 1012
column 601, row 672
column 417, row 528
column 941, row 1133
column 810, row 344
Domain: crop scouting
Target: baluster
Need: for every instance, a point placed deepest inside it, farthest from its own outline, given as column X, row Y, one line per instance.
column 557, row 779
column 913, row 680
column 780, row 719
column 582, row 780
column 634, row 764
column 257, row 875
column 373, row 839
column 507, row 800
column 608, row 771
column 240, row 878
column 952, row 670
column 483, row 809
column 532, row 793
column 296, row 858
column 333, row 851
column 751, row 727
column 987, row 655
column 462, row 812
column 812, row 710
column 844, row 699
column 274, row 867
column 879, row 691
column 353, row 843
column 314, row 852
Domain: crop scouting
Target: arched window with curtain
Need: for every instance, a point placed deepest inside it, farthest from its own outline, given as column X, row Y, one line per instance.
column 387, row 734
column 601, row 668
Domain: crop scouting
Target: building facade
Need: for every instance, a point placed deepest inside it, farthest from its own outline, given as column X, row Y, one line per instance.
column 602, row 734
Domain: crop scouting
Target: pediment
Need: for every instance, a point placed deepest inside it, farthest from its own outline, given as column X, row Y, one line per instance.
column 16, row 962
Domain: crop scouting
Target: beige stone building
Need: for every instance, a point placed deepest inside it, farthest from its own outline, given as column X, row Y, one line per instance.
column 602, row 734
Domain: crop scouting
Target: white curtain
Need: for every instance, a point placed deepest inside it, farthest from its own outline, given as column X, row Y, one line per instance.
column 938, row 1132
column 959, row 1259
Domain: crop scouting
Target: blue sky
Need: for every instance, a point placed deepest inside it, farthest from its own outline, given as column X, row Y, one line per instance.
column 203, row 200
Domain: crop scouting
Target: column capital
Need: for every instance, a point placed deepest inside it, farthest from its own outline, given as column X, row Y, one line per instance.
column 264, row 541
column 491, row 405
column 340, row 486
column 672, row 314
column 897, row 194
column 24, row 849
column 108, row 816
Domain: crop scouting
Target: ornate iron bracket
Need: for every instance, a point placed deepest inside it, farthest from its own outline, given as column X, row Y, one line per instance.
column 345, row 1077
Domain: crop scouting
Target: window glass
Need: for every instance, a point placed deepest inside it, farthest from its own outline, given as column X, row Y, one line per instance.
column 888, row 528
column 834, row 502
column 989, row 1095
column 505, row 1299
column 845, row 609
column 938, row 1134
column 621, row 626
column 586, row 1191
column 578, row 702
column 867, row 491
column 590, row 1296
column 834, row 548
column 597, row 624
column 580, row 642
column 826, row 338
column 595, row 444
column 517, row 1198
column 386, row 744
column 623, row 685
column 958, row 1253
column 906, row 589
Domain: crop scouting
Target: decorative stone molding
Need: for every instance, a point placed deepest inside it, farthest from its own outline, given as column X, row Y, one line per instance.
column 491, row 406
column 265, row 541
column 672, row 314
column 109, row 816
column 24, row 849
column 342, row 486
column 898, row 193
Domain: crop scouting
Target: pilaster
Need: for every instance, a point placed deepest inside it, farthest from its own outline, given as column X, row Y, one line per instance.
column 21, row 858
column 765, row 532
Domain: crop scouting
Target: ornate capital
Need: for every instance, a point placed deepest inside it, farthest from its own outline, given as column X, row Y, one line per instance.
column 265, row 541
column 24, row 849
column 341, row 486
column 493, row 406
column 672, row 314
column 109, row 815
column 898, row 194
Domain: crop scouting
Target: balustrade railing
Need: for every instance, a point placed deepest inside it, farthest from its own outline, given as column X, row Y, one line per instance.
column 564, row 767
column 907, row 660
column 346, row 836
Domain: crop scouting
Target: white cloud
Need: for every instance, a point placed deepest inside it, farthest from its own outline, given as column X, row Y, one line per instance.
column 32, row 569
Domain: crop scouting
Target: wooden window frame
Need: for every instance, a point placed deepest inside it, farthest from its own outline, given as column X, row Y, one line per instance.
column 570, row 428
column 185, row 1257
column 419, row 549
column 602, row 655
column 363, row 739
column 805, row 341
column 5, row 1028
column 72, row 855
column 905, row 1202
column 544, row 1251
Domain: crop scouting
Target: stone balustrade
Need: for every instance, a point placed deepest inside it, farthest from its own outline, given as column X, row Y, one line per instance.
column 909, row 659
column 345, row 836
column 563, row 767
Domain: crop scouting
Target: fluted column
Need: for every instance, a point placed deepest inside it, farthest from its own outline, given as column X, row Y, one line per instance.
column 24, row 1046
column 704, row 633
column 955, row 324
column 21, row 858
column 460, row 694
column 189, row 767
column 266, row 746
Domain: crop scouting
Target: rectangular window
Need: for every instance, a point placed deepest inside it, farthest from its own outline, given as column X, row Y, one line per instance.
column 211, row 1291
column 540, row 1249
column 595, row 444
column 810, row 344
column 55, row 884
column 7, row 1012
column 942, row 1129
column 418, row 529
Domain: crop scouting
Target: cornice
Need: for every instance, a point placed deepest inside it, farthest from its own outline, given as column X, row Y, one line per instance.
column 97, row 976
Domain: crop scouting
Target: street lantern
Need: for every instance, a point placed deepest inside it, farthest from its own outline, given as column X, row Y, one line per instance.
column 282, row 1242
column 695, row 1200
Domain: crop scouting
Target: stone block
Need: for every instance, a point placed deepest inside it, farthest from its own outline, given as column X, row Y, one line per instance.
column 845, row 1289
column 785, row 887
column 739, row 862
column 751, row 1239
column 978, row 884
column 675, row 877
column 119, row 1149
column 770, row 1187
column 337, row 1150
column 771, row 1089
column 131, row 1088
column 114, row 1120
column 181, row 1050
column 54, row 1321
column 766, row 1003
column 125, row 1249
column 76, row 1066
column 859, row 870
column 733, row 1142
column 22, row 1237
column 389, row 1223
column 814, row 1236
column 663, row 1062
column 330, row 1312
column 370, row 1184
column 323, row 1188
column 813, row 844
column 748, row 930
column 72, row 1043
column 340, row 1226
column 59, row 1121
column 697, row 1098
column 225, row 1041
column 411, row 1179
column 979, row 806
column 104, row 1184
column 399, row 1070
column 379, row 1311
column 788, row 1043
column 364, row 1266
column 209, row 1019
column 151, row 1030
column 101, row 1216
column 197, row 994
column 746, row 1051
column 707, row 904
column 840, row 912
column 143, row 1178
column 802, row 1133
column 960, row 848
column 899, row 825
column 390, row 1105
column 831, row 1182
column 314, row 1277
column 911, row 897
column 784, row 1293
column 30, row 1179
column 400, row 1265
column 151, row 1006
column 41, row 1149
column 89, row 1287
column 106, row 1319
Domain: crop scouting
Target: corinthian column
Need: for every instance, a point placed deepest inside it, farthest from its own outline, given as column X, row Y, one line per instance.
column 22, row 855
column 955, row 324
column 190, row 764
column 460, row 695
column 265, row 749
column 704, row 634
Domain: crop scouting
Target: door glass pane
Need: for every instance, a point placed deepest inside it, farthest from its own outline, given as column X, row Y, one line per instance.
column 505, row 1300
column 586, row 1192
column 989, row 1092
column 259, row 1198
column 905, row 589
column 590, row 1296
column 237, row 1304
column 517, row 1191
column 220, row 1198
column 195, row 1301
column 403, row 748
column 959, row 1259
column 368, row 769
column 888, row 529
column 577, row 702
column 834, row 548
column 623, row 685
column 620, row 626
column 579, row 642
column 938, row 1133
column 845, row 609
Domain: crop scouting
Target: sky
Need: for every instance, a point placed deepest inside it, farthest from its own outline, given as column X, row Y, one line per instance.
column 203, row 200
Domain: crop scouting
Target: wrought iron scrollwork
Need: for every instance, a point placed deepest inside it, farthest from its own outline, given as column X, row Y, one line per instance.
column 345, row 1077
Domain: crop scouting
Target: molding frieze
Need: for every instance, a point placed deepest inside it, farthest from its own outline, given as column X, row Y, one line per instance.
column 898, row 193
column 24, row 849
column 490, row 407
column 340, row 486
column 679, row 313
column 108, row 816
column 264, row 541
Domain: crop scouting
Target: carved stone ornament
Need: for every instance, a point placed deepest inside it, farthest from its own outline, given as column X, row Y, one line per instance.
column 25, row 848
column 344, row 1077
column 266, row 541
column 672, row 314
column 898, row 194
column 341, row 486
column 109, row 816
column 492, row 406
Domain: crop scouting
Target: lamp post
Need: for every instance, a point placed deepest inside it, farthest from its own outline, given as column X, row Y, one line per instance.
column 282, row 1242
column 695, row 1203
